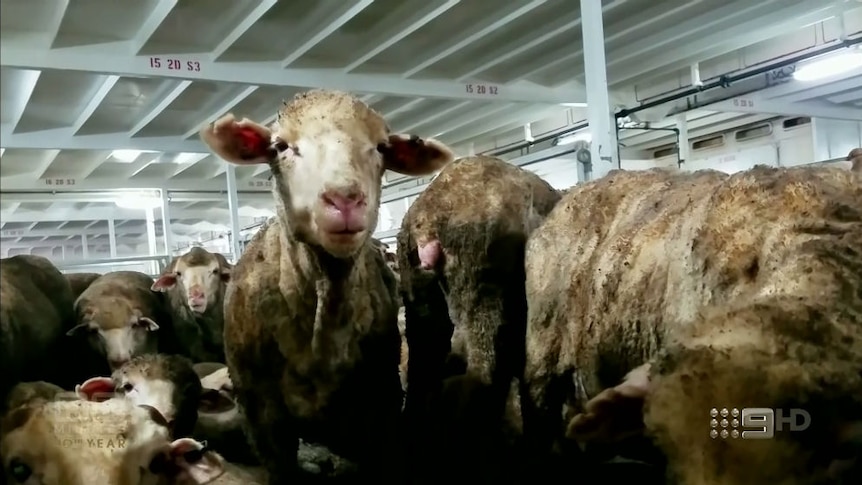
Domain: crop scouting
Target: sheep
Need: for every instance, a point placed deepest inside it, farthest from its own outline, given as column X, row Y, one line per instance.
column 195, row 284
column 80, row 282
column 109, row 443
column 655, row 296
column 165, row 382
column 35, row 312
column 855, row 157
column 119, row 315
column 25, row 392
column 468, row 229
column 311, row 337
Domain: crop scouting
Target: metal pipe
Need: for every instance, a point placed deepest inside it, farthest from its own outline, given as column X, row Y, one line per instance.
column 721, row 81
column 726, row 80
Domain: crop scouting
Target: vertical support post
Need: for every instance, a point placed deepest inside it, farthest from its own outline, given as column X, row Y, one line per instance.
column 682, row 126
column 85, row 247
column 112, row 238
column 166, row 223
column 695, row 75
column 233, row 206
column 63, row 252
column 151, row 238
column 601, row 120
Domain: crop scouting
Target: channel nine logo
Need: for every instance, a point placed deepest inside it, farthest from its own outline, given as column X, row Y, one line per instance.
column 755, row 423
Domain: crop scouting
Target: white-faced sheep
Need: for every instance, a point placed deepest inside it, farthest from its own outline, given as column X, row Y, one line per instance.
column 120, row 317
column 168, row 383
column 311, row 337
column 655, row 297
column 195, row 284
column 468, row 229
column 106, row 443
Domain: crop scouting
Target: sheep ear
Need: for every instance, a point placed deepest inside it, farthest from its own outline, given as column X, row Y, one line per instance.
column 165, row 281
column 242, row 142
column 411, row 155
column 95, row 389
column 615, row 413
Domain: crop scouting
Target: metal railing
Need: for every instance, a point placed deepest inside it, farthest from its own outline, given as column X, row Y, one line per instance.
column 160, row 261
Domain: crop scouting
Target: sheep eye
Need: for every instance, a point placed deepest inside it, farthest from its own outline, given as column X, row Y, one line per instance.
column 19, row 471
column 281, row 146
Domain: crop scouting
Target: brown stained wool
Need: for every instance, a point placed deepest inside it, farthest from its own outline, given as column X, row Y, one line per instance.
column 311, row 339
column 35, row 312
column 80, row 282
column 111, row 302
column 741, row 291
column 482, row 210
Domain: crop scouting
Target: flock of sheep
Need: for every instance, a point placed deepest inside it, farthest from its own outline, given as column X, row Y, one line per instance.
column 551, row 333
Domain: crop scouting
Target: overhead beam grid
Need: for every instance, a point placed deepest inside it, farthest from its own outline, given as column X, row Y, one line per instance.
column 89, row 112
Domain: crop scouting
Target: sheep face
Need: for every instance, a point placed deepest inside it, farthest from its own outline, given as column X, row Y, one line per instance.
column 327, row 152
column 111, row 443
column 200, row 276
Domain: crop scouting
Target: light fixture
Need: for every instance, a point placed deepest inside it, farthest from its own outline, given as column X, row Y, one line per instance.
column 128, row 156
column 829, row 66
column 575, row 137
column 138, row 202
column 574, row 105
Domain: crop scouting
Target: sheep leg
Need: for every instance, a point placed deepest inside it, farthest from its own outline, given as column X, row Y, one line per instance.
column 272, row 436
column 614, row 413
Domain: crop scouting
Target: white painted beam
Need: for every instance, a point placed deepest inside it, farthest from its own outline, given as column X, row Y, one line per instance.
column 510, row 51
column 813, row 109
column 105, row 59
column 500, row 122
column 95, row 100
column 602, row 123
column 110, row 197
column 845, row 81
column 848, row 96
column 121, row 241
column 233, row 210
column 112, row 238
column 822, row 90
column 28, row 80
column 732, row 26
column 437, row 116
column 241, row 28
column 215, row 216
column 182, row 167
column 474, row 35
column 655, row 14
column 715, row 123
column 321, row 30
column 48, row 158
column 95, row 234
column 216, row 112
column 155, row 18
column 474, row 117
column 404, row 108
column 165, row 101
column 114, row 183
column 65, row 139
column 58, row 13
column 416, row 18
